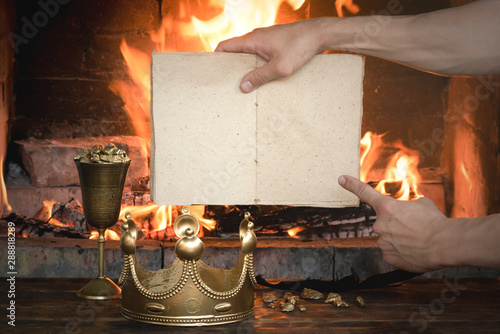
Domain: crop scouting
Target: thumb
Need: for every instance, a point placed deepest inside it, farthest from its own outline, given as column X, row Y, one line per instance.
column 364, row 191
column 270, row 71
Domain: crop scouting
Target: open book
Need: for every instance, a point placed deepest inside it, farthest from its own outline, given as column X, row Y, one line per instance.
column 285, row 143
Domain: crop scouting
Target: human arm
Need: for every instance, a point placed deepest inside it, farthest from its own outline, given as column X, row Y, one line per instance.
column 416, row 236
column 463, row 40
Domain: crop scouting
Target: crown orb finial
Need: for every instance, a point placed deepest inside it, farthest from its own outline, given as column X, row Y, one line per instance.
column 245, row 225
column 247, row 236
column 189, row 247
column 127, row 244
column 129, row 235
column 249, row 242
column 184, row 222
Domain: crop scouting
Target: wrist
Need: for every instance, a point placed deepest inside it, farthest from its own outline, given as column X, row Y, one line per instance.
column 327, row 34
column 457, row 241
column 442, row 246
column 345, row 34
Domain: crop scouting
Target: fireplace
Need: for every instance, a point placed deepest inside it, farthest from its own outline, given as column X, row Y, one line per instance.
column 79, row 70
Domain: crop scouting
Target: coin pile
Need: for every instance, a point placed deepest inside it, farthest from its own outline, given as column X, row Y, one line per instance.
column 292, row 301
column 336, row 299
column 109, row 154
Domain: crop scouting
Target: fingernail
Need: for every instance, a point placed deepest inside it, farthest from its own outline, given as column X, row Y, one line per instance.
column 247, row 87
column 342, row 180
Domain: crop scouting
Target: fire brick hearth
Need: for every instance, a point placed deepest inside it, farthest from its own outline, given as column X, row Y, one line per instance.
column 274, row 258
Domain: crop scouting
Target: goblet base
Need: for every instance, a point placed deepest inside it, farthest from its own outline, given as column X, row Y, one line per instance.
column 100, row 288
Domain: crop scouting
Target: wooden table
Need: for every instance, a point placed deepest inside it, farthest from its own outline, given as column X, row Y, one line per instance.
column 418, row 305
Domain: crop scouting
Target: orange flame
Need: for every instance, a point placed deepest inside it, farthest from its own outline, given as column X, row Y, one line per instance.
column 295, row 230
column 4, row 121
column 5, row 206
column 46, row 212
column 340, row 4
column 371, row 145
column 197, row 211
column 156, row 218
column 108, row 235
column 401, row 172
column 235, row 20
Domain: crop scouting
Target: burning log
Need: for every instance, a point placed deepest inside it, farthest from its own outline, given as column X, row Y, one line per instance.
column 60, row 220
column 310, row 221
column 53, row 220
column 32, row 227
column 69, row 214
column 305, row 222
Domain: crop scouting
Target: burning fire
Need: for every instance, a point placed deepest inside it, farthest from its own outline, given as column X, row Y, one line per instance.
column 108, row 235
column 340, row 4
column 401, row 175
column 295, row 230
column 371, row 145
column 160, row 218
column 46, row 213
column 4, row 207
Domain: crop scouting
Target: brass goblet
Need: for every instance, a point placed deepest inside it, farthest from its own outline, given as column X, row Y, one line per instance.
column 102, row 190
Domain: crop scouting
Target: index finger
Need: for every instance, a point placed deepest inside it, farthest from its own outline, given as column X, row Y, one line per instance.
column 364, row 191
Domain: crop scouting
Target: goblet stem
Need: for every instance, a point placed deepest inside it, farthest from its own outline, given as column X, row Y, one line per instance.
column 100, row 287
column 101, row 243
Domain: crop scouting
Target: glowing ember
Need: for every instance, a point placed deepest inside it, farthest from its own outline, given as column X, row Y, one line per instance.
column 293, row 231
column 108, row 235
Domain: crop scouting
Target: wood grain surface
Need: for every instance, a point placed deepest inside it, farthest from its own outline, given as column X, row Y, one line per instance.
column 50, row 305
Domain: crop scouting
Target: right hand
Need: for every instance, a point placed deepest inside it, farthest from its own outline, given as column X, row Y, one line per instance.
column 413, row 235
column 286, row 47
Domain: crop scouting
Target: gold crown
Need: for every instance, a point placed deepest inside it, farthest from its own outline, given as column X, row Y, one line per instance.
column 188, row 292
